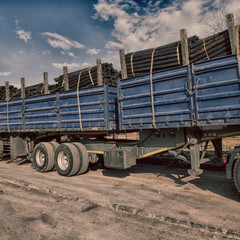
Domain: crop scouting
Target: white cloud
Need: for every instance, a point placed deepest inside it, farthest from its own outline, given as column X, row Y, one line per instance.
column 70, row 54
column 93, row 51
column 26, row 36
column 70, row 65
column 5, row 74
column 58, row 41
column 138, row 28
column 113, row 45
column 86, row 64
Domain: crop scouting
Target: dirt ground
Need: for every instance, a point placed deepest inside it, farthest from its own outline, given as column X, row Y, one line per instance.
column 148, row 201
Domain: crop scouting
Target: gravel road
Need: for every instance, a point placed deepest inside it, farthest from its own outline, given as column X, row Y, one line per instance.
column 148, row 201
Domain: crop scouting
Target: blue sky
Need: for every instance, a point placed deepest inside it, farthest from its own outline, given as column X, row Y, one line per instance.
column 39, row 36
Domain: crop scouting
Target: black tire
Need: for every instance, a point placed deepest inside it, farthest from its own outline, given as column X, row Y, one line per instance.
column 83, row 157
column 55, row 145
column 236, row 174
column 43, row 157
column 67, row 159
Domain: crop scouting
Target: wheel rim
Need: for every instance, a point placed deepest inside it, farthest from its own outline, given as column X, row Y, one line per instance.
column 63, row 161
column 40, row 158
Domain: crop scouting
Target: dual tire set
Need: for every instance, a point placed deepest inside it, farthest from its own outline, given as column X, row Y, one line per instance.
column 68, row 159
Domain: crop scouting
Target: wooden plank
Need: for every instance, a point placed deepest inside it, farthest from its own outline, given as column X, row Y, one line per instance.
column 123, row 63
column 184, row 44
column 238, row 48
column 99, row 72
column 7, row 90
column 23, row 94
column 231, row 32
column 45, row 86
column 65, row 78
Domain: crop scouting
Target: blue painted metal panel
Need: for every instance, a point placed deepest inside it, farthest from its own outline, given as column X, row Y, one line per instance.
column 60, row 112
column 40, row 113
column 11, row 115
column 207, row 93
column 217, row 97
column 172, row 104
column 203, row 94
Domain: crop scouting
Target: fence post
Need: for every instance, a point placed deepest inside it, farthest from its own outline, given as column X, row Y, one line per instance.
column 123, row 63
column 99, row 72
column 184, row 44
column 65, row 78
column 231, row 32
column 7, row 91
column 45, row 83
column 23, row 95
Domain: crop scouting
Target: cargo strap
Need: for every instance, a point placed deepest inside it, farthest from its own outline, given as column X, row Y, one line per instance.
column 90, row 76
column 132, row 63
column 78, row 99
column 204, row 46
column 178, row 57
column 151, row 89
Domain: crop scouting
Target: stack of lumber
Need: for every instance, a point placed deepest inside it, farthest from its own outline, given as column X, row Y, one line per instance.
column 13, row 92
column 210, row 47
column 169, row 56
column 89, row 77
column 34, row 90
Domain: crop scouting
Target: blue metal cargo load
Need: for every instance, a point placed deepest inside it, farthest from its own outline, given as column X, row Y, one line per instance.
column 202, row 94
column 90, row 109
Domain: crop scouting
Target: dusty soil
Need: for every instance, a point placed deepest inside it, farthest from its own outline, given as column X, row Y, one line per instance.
column 145, row 202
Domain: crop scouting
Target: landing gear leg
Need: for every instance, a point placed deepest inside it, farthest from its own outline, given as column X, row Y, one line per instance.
column 195, row 158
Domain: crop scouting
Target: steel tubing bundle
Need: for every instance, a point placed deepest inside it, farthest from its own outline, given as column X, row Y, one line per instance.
column 170, row 55
column 89, row 77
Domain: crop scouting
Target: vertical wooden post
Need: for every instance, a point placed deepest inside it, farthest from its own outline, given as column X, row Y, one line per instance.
column 123, row 63
column 238, row 48
column 23, row 88
column 45, row 83
column 99, row 72
column 184, row 44
column 7, row 91
column 231, row 32
column 65, row 78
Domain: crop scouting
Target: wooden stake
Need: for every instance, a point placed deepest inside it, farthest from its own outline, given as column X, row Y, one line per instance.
column 231, row 32
column 184, row 44
column 23, row 88
column 65, row 78
column 123, row 63
column 237, row 48
column 99, row 72
column 7, row 91
column 45, row 83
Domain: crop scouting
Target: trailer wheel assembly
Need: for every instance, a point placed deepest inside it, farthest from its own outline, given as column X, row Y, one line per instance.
column 236, row 174
column 67, row 159
column 84, row 157
column 43, row 157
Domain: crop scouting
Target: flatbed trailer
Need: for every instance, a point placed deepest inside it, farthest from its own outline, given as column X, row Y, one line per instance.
column 170, row 111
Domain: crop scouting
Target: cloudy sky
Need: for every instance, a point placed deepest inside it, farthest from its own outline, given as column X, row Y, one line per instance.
column 39, row 36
